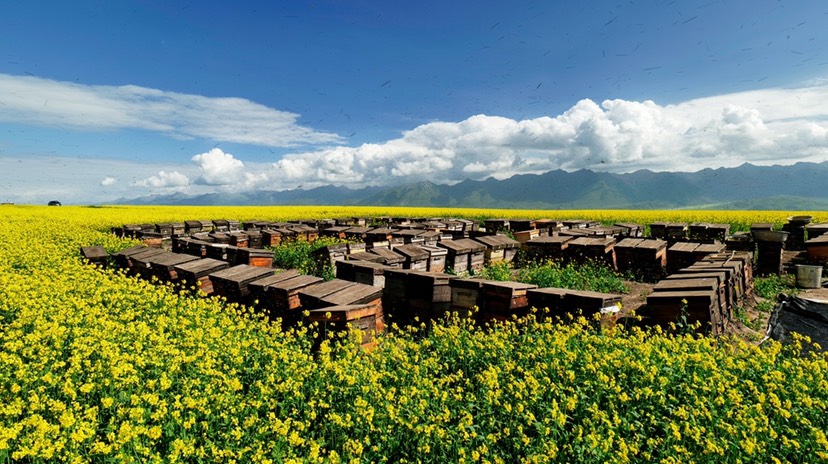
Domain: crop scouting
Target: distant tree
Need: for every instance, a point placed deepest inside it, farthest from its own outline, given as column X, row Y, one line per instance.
column 54, row 203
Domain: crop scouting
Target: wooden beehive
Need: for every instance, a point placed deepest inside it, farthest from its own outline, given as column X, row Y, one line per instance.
column 494, row 226
column 549, row 247
column 261, row 294
column 379, row 237
column 122, row 257
column 305, row 232
column 254, row 238
column 221, row 237
column 525, row 236
column 271, row 238
column 394, row 296
column 137, row 261
column 459, row 252
column 644, row 258
column 816, row 230
column 162, row 266
column 232, row 283
column 255, row 257
column 436, row 258
column 341, row 319
column 499, row 248
column 630, row 229
column 198, row 272
column 335, row 231
column 282, row 297
column 428, row 295
column 164, row 228
column 96, row 255
column 328, row 255
column 663, row 308
column 356, row 294
column 589, row 303
column 682, row 254
column 416, row 257
column 504, row 300
column 152, row 239
column 598, row 249
column 221, row 225
column 721, row 276
column 389, row 257
column 369, row 273
column 466, row 294
column 311, row 297
column 706, row 284
column 548, row 301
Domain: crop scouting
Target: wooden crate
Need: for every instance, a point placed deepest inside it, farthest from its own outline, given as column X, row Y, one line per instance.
column 663, row 308
column 599, row 249
column 255, row 257
column 734, row 279
column 550, row 247
column 706, row 284
column 357, row 294
column 389, row 257
column 341, row 319
column 239, row 239
column 271, row 238
column 162, row 266
column 436, row 258
column 311, row 297
column 525, row 236
column 722, row 277
column 198, row 273
column 457, row 254
column 122, row 257
column 503, row 300
column 260, row 289
column 137, row 261
column 683, row 254
column 416, row 257
column 499, row 248
column 428, row 295
column 282, row 297
column 96, row 255
column 232, row 283
column 644, row 258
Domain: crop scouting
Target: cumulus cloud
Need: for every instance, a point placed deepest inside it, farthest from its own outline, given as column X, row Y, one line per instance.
column 46, row 102
column 218, row 168
column 107, row 181
column 173, row 180
column 772, row 125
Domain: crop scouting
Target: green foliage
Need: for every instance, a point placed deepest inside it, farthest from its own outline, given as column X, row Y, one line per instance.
column 298, row 255
column 770, row 287
column 501, row 271
column 588, row 276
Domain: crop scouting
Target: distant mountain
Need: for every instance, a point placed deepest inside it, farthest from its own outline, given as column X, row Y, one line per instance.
column 803, row 186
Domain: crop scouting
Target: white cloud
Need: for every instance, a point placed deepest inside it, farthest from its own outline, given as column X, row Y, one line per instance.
column 762, row 127
column 218, row 168
column 107, row 181
column 46, row 102
column 164, row 180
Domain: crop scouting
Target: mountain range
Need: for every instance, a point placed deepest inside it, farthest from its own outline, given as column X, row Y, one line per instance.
column 802, row 186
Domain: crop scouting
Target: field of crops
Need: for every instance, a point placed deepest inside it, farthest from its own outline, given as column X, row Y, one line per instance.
column 95, row 366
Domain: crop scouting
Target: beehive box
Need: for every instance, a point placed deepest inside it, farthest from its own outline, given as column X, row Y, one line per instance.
column 499, row 248
column 282, row 297
column 357, row 294
column 122, row 257
column 367, row 256
column 304, row 232
column 663, row 308
column 221, row 225
column 436, row 258
column 198, row 273
column 232, row 283
column 341, row 319
column 96, row 255
column 706, row 284
column 394, row 296
column 153, row 240
column 600, row 249
column 408, row 236
column 416, row 257
column 328, row 255
column 260, row 289
column 164, row 228
column 271, row 238
column 356, row 233
column 463, row 255
column 136, row 261
column 630, row 229
column 548, row 301
column 389, row 257
column 503, row 300
column 466, row 294
column 741, row 263
column 517, row 225
column 681, row 255
column 197, row 248
column 549, row 247
column 644, row 258
column 676, row 231
column 525, row 236
column 221, row 237
column 162, row 266
column 221, row 251
column 369, row 273
column 816, row 230
column 255, row 257
column 254, row 238
column 428, row 295
column 238, row 239
column 380, row 235
column 311, row 297
column 735, row 292
column 493, row 226
column 589, row 303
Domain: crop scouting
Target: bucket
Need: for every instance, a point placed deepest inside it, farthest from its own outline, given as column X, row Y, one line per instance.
column 808, row 276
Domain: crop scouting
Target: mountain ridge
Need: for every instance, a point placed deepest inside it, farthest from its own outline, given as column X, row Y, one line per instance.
column 752, row 187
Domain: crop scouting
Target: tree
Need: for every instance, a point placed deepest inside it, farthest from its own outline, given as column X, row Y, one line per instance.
column 54, row 203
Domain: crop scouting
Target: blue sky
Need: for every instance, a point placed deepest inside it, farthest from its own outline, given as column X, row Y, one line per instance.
column 101, row 100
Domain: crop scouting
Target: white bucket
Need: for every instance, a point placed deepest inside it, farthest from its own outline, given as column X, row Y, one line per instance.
column 808, row 276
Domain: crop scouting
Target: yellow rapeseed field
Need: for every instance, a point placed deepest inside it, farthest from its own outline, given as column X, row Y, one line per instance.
column 96, row 366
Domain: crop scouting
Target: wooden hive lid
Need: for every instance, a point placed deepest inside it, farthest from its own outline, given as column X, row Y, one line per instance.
column 354, row 294
column 341, row 313
column 294, row 283
column 326, row 288
column 684, row 247
column 412, row 252
column 202, row 267
column 275, row 278
column 468, row 283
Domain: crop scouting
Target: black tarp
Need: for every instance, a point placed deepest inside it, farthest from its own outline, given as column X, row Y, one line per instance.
column 794, row 314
